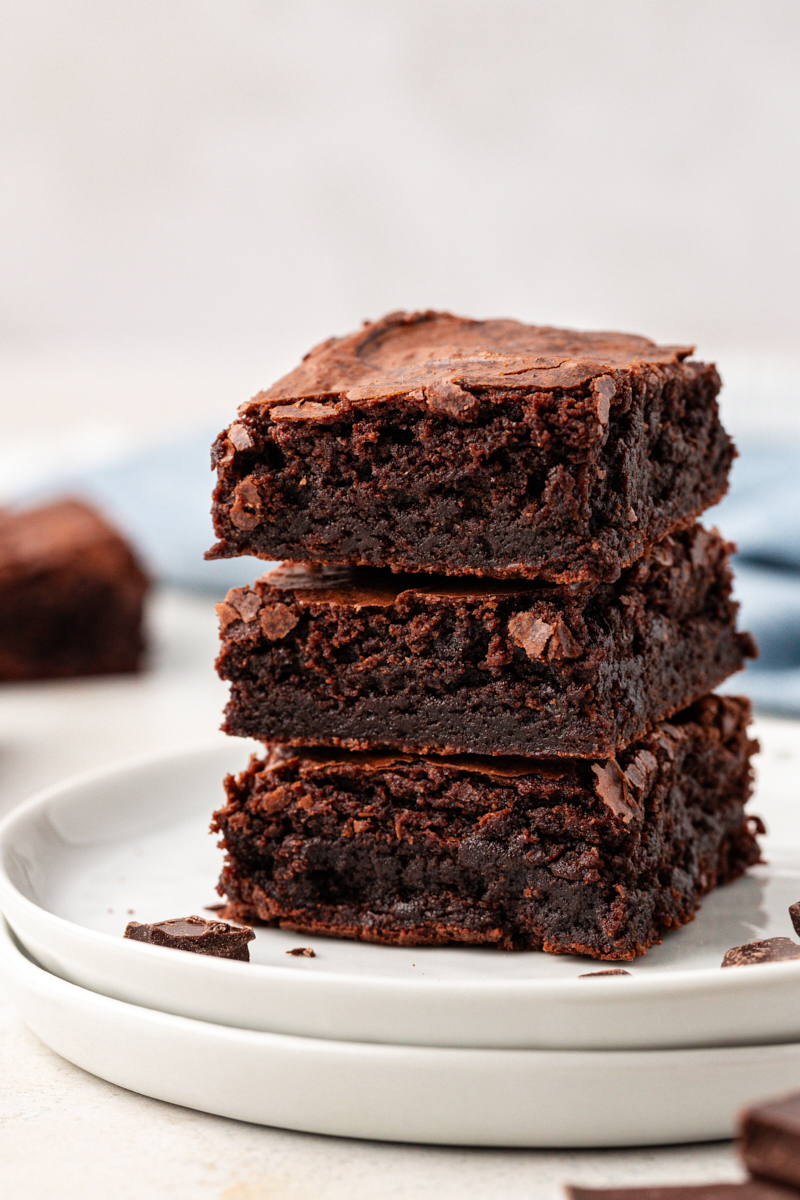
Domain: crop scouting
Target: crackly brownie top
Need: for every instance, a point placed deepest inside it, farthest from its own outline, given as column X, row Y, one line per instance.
column 404, row 351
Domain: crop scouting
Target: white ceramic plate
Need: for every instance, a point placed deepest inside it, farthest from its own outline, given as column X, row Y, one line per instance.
column 400, row 1093
column 76, row 860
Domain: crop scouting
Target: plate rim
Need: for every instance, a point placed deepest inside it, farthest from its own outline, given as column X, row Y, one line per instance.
column 23, row 965
column 666, row 980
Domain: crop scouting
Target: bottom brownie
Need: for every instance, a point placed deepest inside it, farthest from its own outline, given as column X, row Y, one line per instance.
column 567, row 856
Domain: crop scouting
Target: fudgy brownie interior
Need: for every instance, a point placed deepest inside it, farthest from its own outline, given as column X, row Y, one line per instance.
column 571, row 856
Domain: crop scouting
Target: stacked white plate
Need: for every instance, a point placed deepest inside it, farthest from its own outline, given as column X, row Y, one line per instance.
column 451, row 1045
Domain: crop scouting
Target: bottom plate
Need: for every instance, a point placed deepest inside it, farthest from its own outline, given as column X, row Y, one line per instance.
column 78, row 861
column 562, row 1098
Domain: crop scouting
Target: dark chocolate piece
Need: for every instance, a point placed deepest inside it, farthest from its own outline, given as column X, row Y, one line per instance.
column 794, row 913
column 428, row 442
column 302, row 951
column 769, row 1139
column 193, row 933
column 568, row 856
column 612, row 971
column 71, row 594
column 445, row 665
column 777, row 949
column 751, row 1189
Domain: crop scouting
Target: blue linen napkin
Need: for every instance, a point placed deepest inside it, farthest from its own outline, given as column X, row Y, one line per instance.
column 161, row 498
column 761, row 514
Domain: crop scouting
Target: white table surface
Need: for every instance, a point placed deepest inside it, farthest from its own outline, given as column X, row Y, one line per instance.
column 66, row 1134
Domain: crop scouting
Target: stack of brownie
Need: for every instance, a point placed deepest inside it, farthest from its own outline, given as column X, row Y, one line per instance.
column 482, row 674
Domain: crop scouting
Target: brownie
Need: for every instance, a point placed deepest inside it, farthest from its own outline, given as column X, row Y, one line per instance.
column 770, row 1139
column 568, row 856
column 364, row 657
column 750, row 1189
column 71, row 594
column 428, row 442
column 217, row 938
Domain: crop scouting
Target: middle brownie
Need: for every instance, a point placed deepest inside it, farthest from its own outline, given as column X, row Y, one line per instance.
column 359, row 659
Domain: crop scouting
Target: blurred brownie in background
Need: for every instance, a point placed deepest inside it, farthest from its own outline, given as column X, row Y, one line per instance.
column 71, row 594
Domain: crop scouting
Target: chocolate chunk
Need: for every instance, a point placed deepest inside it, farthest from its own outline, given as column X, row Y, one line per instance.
column 240, row 437
column 227, row 614
column 193, row 933
column 245, row 602
column 751, row 1189
column 246, row 509
column 448, row 398
column 302, row 952
column 604, row 389
column 641, row 771
column 770, row 1139
column 277, row 620
column 777, row 949
column 612, row 971
column 612, row 788
column 794, row 913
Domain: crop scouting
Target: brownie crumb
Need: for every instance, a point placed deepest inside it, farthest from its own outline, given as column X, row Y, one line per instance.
column 613, row 971
column 777, row 949
column 302, row 952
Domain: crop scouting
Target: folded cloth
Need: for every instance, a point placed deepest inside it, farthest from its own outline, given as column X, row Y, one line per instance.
column 161, row 498
column 761, row 514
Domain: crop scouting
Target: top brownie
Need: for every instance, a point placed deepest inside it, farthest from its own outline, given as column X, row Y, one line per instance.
column 428, row 442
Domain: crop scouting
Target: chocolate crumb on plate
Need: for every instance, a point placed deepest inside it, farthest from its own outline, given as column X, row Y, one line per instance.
column 612, row 971
column 216, row 938
column 777, row 949
column 794, row 913
column 302, row 952
column 770, row 1139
